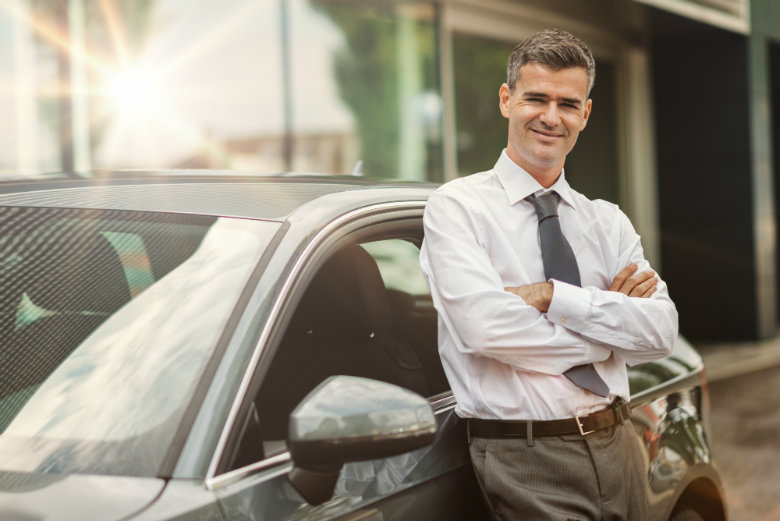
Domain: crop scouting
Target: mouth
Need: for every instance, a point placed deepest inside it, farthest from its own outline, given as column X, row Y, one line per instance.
column 547, row 134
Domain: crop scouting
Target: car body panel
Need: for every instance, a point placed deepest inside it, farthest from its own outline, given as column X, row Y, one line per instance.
column 407, row 486
column 670, row 414
column 182, row 500
column 74, row 497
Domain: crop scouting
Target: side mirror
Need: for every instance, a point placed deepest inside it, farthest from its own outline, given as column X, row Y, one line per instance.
column 347, row 418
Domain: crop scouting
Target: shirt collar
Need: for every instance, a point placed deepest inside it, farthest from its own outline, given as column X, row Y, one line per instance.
column 519, row 184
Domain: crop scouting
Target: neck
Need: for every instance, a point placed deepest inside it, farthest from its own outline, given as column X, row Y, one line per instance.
column 544, row 175
column 546, row 179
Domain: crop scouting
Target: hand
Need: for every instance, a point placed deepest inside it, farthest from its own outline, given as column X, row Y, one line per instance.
column 634, row 284
column 538, row 295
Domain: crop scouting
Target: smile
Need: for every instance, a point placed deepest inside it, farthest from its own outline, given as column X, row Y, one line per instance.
column 546, row 134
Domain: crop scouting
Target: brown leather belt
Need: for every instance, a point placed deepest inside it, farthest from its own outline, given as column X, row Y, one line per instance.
column 616, row 413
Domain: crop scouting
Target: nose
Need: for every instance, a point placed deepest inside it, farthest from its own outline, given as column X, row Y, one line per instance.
column 550, row 115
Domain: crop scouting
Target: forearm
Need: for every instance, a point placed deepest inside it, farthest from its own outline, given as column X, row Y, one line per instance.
column 482, row 318
column 505, row 328
column 625, row 317
column 634, row 316
column 640, row 329
column 537, row 295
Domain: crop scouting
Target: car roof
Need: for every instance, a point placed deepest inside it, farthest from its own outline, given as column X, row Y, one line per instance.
column 268, row 197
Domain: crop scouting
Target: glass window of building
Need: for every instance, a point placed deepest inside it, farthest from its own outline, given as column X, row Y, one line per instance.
column 183, row 84
column 480, row 69
column 291, row 85
column 33, row 100
column 365, row 88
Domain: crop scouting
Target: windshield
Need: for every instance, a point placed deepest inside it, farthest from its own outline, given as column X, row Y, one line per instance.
column 107, row 321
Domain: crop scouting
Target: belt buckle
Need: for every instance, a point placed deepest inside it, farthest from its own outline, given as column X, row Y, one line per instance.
column 579, row 426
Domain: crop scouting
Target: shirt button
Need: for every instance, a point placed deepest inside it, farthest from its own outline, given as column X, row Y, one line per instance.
column 563, row 320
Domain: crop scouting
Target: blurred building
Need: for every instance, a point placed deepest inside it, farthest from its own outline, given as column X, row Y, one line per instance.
column 684, row 135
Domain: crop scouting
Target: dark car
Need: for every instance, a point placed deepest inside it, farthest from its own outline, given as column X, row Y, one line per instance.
column 203, row 347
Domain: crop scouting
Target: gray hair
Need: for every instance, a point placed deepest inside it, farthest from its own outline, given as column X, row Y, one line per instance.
column 553, row 48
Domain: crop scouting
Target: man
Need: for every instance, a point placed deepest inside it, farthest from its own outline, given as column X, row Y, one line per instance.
column 513, row 338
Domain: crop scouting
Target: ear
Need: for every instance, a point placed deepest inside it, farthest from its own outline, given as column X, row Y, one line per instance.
column 586, row 115
column 503, row 99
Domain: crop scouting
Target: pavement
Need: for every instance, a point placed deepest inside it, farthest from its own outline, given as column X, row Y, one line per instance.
column 745, row 427
column 724, row 360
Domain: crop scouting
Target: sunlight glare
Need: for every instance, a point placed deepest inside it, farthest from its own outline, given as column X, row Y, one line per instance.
column 133, row 90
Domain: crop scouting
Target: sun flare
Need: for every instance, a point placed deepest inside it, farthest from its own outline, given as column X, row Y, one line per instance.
column 134, row 90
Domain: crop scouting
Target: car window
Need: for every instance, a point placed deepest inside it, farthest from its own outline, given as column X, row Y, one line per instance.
column 107, row 321
column 414, row 317
column 399, row 264
column 366, row 314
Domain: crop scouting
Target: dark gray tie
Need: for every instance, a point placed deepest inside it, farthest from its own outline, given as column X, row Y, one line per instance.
column 560, row 264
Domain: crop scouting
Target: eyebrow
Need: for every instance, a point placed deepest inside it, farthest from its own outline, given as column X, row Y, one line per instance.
column 574, row 101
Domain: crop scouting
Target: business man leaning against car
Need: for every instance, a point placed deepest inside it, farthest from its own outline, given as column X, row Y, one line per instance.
column 543, row 297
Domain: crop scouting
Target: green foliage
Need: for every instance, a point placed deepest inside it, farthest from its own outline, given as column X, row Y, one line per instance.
column 480, row 69
column 368, row 74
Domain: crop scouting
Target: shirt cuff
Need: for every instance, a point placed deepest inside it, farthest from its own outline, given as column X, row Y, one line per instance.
column 570, row 306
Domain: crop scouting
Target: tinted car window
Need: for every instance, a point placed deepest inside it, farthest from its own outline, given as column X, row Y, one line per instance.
column 351, row 320
column 107, row 322
column 414, row 317
column 399, row 263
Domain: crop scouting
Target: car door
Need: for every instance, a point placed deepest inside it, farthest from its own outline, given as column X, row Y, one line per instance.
column 366, row 311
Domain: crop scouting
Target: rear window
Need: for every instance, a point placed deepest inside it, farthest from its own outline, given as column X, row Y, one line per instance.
column 107, row 321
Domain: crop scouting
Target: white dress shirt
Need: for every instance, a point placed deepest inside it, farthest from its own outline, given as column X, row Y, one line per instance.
column 503, row 358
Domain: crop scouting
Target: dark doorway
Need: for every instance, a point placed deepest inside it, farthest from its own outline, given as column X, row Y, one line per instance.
column 702, row 101
column 774, row 96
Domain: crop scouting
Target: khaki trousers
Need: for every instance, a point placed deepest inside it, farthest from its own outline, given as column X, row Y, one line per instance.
column 601, row 476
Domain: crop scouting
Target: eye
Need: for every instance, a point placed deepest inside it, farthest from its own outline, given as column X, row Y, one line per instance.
column 571, row 105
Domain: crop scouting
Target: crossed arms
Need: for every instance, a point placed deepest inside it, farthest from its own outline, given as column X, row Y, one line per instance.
column 544, row 327
column 627, row 282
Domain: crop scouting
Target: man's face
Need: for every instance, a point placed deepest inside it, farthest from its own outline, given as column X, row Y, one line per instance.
column 546, row 113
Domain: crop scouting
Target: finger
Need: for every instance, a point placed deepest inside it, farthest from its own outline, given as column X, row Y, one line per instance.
column 650, row 291
column 632, row 286
column 621, row 277
column 635, row 280
column 640, row 278
column 641, row 288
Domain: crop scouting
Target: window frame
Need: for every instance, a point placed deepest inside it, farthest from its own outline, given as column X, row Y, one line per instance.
column 389, row 220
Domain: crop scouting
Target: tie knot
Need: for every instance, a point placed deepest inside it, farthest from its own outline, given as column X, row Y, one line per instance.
column 546, row 205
